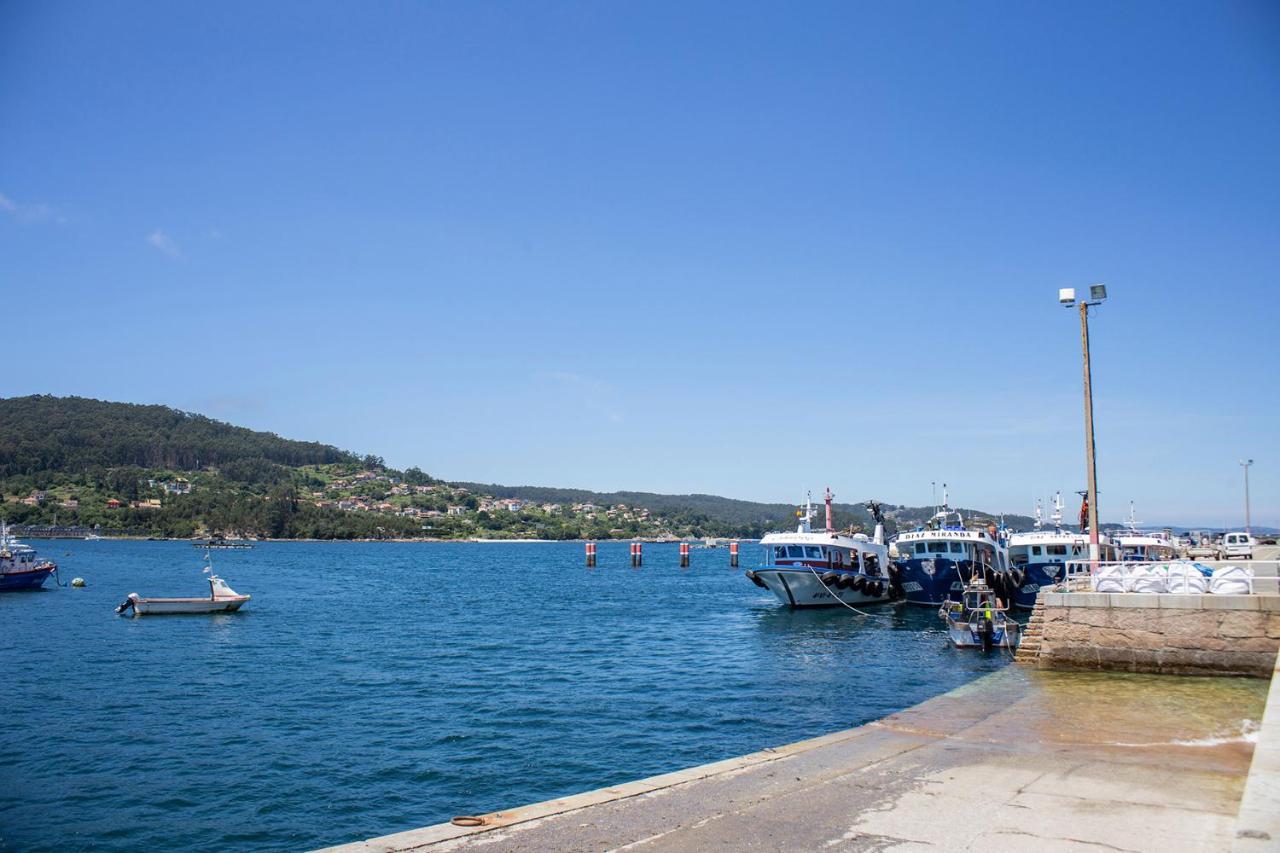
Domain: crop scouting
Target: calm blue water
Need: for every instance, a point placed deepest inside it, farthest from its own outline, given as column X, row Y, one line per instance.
column 370, row 688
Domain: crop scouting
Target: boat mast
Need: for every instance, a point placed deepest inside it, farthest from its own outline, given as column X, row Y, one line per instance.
column 829, row 496
column 1057, row 510
column 1039, row 515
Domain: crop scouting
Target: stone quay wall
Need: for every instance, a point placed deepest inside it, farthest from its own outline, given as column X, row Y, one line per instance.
column 1161, row 633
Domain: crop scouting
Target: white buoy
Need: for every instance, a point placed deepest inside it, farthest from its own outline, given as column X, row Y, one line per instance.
column 77, row 581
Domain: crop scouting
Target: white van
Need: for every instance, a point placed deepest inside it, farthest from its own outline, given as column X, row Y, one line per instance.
column 1237, row 546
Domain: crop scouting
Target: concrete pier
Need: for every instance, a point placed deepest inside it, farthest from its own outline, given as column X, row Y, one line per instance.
column 1018, row 760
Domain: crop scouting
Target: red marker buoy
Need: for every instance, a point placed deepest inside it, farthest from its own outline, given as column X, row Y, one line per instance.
column 733, row 555
column 684, row 555
column 591, row 555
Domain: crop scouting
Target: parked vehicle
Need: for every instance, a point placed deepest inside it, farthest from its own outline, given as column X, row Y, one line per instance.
column 1237, row 546
column 1205, row 549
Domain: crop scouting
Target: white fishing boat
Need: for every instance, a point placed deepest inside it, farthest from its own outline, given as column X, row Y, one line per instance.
column 222, row 599
column 1145, row 546
column 824, row 568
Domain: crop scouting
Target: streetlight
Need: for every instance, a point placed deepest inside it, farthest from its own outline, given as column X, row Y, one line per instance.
column 1248, row 528
column 1067, row 299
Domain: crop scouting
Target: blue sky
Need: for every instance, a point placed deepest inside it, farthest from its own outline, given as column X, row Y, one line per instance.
column 736, row 248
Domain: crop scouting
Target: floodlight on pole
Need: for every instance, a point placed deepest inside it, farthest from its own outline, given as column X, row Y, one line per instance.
column 1248, row 527
column 1067, row 299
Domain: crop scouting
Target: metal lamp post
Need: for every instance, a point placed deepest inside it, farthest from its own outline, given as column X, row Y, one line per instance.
column 1067, row 299
column 1248, row 528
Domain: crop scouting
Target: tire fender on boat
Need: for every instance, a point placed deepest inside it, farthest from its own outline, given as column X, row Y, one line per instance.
column 755, row 579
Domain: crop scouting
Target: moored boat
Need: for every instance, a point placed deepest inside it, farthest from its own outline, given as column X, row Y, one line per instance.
column 20, row 568
column 824, row 568
column 1144, row 546
column 935, row 561
column 978, row 620
column 1039, row 557
column 222, row 599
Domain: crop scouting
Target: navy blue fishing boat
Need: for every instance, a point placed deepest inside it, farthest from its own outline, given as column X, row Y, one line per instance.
column 936, row 561
column 1038, row 558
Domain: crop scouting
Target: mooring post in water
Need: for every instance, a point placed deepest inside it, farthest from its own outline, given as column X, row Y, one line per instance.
column 591, row 555
column 637, row 554
column 733, row 555
column 684, row 555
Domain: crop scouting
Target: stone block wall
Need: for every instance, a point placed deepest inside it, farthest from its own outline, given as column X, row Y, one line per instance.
column 1166, row 633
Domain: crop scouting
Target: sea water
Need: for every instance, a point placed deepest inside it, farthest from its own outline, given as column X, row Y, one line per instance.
column 370, row 688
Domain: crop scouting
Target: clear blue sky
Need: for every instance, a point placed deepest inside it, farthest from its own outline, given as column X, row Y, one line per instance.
column 735, row 248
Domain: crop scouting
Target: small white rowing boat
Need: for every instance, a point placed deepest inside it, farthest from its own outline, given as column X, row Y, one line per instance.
column 222, row 599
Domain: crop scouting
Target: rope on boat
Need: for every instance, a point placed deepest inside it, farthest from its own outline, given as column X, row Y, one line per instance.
column 841, row 600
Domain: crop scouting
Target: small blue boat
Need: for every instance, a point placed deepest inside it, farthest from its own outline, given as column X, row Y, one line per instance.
column 20, row 569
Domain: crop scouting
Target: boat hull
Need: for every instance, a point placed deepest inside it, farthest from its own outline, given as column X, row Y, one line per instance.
column 186, row 606
column 803, row 587
column 966, row 635
column 929, row 583
column 25, row 579
column 1038, row 575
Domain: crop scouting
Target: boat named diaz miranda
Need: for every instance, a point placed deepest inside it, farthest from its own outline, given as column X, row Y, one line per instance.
column 1039, row 557
column 19, row 566
column 824, row 568
column 935, row 561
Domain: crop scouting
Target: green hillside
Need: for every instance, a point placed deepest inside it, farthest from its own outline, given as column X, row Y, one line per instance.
column 156, row 471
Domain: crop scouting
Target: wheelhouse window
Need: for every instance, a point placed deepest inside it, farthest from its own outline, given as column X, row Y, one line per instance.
column 921, row 548
column 957, row 547
column 813, row 552
column 795, row 552
column 1035, row 550
column 1056, row 550
column 779, row 552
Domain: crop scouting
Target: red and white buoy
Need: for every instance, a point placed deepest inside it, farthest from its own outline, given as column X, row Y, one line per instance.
column 733, row 555
column 637, row 554
column 684, row 555
column 591, row 555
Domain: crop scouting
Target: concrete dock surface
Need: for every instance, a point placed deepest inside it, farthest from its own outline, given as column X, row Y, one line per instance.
column 1017, row 760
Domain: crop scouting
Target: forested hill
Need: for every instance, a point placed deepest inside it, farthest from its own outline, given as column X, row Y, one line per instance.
column 75, row 434
column 152, row 470
column 737, row 513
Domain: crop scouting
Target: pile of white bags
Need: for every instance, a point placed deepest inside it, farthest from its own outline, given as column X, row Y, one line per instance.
column 1231, row 580
column 1185, row 577
column 1150, row 578
column 1109, row 579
